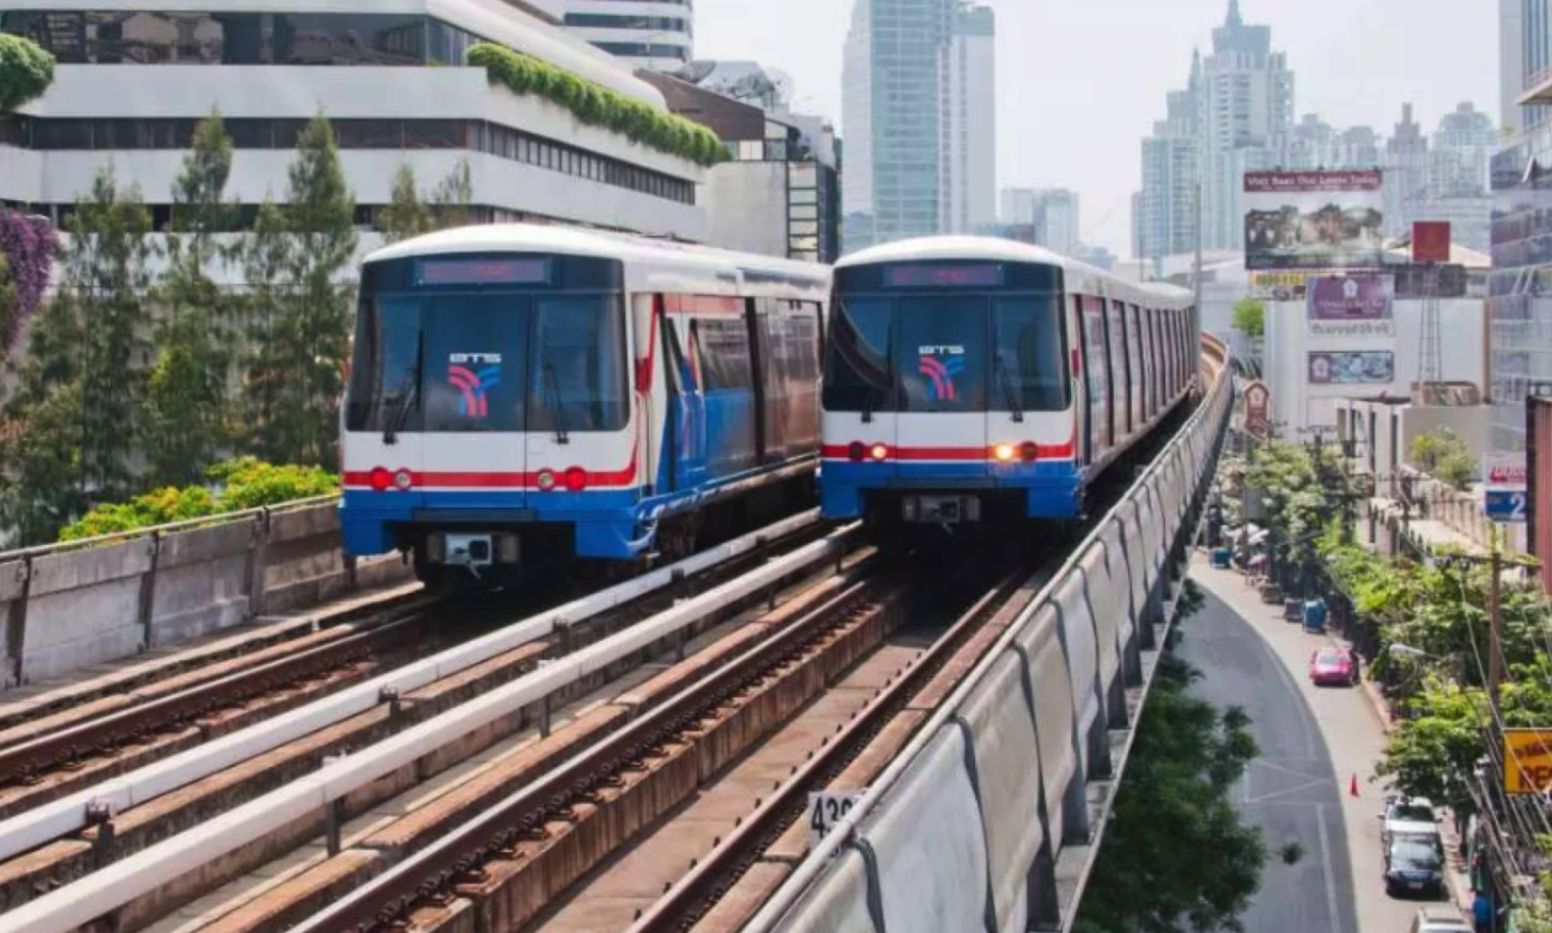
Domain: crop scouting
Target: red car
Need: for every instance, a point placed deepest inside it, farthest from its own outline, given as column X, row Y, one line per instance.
column 1333, row 667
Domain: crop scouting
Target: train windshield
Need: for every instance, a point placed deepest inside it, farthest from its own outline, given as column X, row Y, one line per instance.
column 946, row 352
column 471, row 362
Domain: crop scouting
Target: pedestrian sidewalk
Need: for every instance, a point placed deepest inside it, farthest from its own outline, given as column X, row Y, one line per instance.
column 1356, row 747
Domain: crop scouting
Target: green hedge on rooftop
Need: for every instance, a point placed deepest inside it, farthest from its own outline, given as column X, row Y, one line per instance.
column 598, row 105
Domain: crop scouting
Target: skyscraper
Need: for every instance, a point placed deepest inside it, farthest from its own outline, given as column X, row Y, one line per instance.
column 1052, row 213
column 1164, row 211
column 970, row 178
column 908, row 110
column 1245, row 101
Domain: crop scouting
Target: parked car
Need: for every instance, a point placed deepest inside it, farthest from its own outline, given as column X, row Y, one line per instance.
column 1333, row 667
column 1413, row 866
column 1413, row 818
column 1440, row 919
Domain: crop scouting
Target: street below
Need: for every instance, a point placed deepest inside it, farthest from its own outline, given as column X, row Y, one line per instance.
column 1314, row 741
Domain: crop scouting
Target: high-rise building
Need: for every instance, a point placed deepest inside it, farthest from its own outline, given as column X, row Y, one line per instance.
column 1521, row 303
column 1245, row 101
column 653, row 34
column 1511, row 63
column 903, row 109
column 1164, row 212
column 1051, row 214
column 970, row 132
column 1406, row 174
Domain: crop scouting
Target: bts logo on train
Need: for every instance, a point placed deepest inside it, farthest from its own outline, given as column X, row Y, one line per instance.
column 943, row 365
column 473, row 384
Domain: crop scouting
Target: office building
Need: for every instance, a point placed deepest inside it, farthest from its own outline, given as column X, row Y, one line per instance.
column 780, row 193
column 1164, row 211
column 970, row 132
column 135, row 76
column 910, row 113
column 655, row 34
column 1051, row 215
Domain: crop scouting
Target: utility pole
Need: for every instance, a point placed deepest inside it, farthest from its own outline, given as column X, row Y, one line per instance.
column 1496, row 562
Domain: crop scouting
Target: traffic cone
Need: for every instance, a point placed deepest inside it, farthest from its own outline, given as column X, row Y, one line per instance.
column 1352, row 786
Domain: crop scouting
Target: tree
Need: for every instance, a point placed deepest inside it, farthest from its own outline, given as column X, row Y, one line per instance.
column 26, row 71
column 303, row 308
column 187, row 423
column 102, row 301
column 450, row 201
column 1175, row 798
column 1250, row 318
column 406, row 215
column 1443, row 455
column 41, row 466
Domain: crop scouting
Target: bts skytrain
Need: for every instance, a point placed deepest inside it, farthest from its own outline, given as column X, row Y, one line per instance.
column 522, row 392
column 966, row 378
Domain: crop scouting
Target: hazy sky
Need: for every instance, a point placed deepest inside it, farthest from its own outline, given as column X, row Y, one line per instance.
column 1080, row 82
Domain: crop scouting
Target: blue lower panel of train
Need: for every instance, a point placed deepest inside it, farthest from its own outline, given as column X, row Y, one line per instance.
column 847, row 490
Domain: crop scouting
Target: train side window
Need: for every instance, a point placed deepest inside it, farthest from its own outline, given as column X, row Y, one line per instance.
column 723, row 343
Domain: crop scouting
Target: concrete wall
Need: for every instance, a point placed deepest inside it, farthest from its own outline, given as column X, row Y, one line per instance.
column 747, row 202
column 67, row 607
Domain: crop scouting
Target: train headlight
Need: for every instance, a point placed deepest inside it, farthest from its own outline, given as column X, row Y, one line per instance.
column 879, row 452
column 546, row 480
column 380, row 479
column 1004, row 453
column 1029, row 451
column 856, row 451
column 403, row 480
column 576, row 479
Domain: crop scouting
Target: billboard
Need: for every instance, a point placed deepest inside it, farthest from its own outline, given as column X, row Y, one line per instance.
column 1351, row 306
column 1258, row 410
column 1527, row 761
column 1430, row 241
column 1352, row 367
column 1314, row 220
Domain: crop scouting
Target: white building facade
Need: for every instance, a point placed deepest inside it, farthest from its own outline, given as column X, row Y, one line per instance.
column 655, row 34
column 136, row 75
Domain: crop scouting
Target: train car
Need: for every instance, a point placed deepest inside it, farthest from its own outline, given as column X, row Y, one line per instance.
column 968, row 377
column 521, row 392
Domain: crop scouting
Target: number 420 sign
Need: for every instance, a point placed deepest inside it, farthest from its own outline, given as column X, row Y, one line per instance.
column 827, row 808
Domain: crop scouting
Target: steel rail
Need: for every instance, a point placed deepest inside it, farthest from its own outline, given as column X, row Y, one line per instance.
column 121, row 882
column 76, row 811
column 21, row 761
column 686, row 902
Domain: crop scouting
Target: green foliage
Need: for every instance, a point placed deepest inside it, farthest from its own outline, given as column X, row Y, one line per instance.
column 249, row 483
column 1444, row 456
column 10, row 306
column 1297, row 506
column 26, row 71
column 1175, row 798
column 1434, row 752
column 406, row 215
column 1250, row 318
column 597, row 105
column 300, row 309
column 244, row 483
column 186, row 403
column 450, row 201
column 41, row 464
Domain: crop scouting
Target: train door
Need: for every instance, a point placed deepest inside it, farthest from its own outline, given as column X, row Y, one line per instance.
column 1120, row 375
column 579, row 390
column 685, row 418
column 1135, row 367
column 1092, row 327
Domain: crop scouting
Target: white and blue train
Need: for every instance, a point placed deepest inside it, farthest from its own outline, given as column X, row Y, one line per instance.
column 968, row 378
column 522, row 392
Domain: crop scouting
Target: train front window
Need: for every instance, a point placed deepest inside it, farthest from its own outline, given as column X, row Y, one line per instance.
column 461, row 362
column 577, row 382
column 940, row 353
column 858, row 375
column 1031, row 362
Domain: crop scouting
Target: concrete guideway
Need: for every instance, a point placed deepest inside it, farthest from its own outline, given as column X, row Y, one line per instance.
column 1314, row 741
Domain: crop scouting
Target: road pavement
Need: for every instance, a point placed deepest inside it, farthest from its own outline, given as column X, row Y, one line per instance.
column 1314, row 741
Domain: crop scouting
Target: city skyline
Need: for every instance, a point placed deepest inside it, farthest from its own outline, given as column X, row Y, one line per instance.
column 1432, row 56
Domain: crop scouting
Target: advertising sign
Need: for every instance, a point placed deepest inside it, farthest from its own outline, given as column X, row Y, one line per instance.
column 1314, row 220
column 1352, row 306
column 1527, row 761
column 1431, row 241
column 1507, row 479
column 1352, row 367
column 1258, row 410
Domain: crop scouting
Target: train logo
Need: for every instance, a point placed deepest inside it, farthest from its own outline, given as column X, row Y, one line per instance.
column 941, row 366
column 474, row 384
